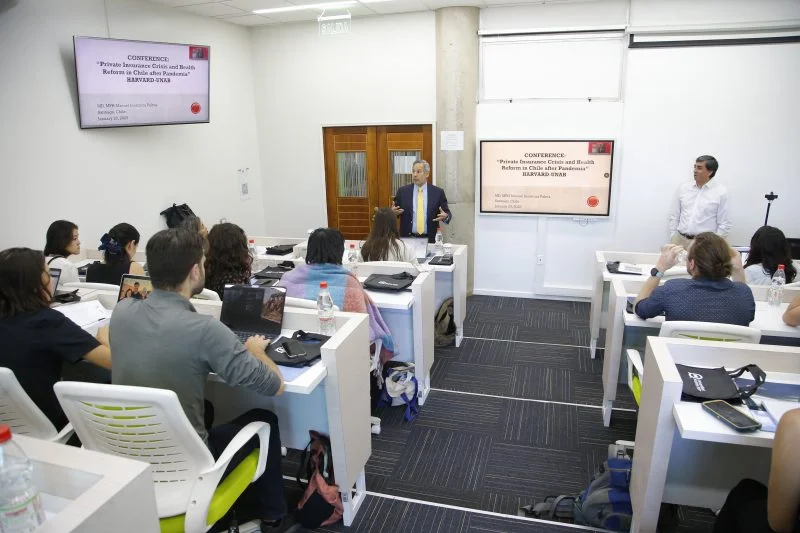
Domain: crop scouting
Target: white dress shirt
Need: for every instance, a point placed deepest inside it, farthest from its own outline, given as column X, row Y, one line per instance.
column 698, row 209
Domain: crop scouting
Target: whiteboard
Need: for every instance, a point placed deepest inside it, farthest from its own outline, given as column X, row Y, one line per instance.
column 564, row 66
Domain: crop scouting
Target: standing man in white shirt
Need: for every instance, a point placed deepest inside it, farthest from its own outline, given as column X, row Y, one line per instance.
column 701, row 205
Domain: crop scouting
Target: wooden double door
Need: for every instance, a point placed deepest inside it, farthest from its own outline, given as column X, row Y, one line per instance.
column 364, row 167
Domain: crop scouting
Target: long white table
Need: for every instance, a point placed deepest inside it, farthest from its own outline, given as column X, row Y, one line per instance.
column 627, row 330
column 598, row 312
column 683, row 455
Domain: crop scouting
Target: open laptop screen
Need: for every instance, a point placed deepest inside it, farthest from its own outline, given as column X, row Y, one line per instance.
column 419, row 244
column 55, row 275
column 136, row 287
column 254, row 309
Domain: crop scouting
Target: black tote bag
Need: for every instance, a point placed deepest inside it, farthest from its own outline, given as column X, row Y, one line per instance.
column 703, row 384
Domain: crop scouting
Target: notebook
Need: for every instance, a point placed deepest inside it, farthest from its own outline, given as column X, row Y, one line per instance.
column 419, row 245
column 249, row 310
column 135, row 287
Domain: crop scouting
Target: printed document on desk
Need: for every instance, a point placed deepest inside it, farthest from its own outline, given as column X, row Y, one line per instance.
column 85, row 314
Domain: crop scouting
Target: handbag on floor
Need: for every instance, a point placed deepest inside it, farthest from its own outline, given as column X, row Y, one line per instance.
column 321, row 504
column 703, row 384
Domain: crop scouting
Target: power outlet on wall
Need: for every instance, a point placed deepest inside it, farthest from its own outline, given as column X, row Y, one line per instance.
column 540, row 259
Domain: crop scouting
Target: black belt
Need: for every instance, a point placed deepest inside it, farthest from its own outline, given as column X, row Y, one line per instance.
column 690, row 237
column 420, row 235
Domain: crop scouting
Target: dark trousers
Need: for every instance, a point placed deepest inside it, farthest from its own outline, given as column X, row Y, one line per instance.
column 745, row 510
column 268, row 490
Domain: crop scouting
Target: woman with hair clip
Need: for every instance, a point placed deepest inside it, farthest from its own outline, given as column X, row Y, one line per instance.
column 768, row 249
column 63, row 241
column 383, row 242
column 119, row 247
column 228, row 261
column 709, row 296
column 36, row 338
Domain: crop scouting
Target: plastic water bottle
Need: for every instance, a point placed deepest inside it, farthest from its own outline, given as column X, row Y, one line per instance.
column 775, row 294
column 683, row 255
column 20, row 506
column 439, row 242
column 352, row 259
column 251, row 247
column 327, row 323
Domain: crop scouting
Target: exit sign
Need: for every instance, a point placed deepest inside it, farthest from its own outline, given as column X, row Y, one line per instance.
column 334, row 27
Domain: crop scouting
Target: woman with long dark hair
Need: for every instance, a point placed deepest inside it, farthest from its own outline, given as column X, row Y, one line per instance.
column 63, row 241
column 383, row 242
column 228, row 260
column 36, row 338
column 768, row 249
column 119, row 247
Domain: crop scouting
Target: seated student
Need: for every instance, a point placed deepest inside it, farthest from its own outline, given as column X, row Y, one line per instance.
column 196, row 224
column 383, row 242
column 163, row 342
column 228, row 260
column 324, row 263
column 709, row 296
column 768, row 249
column 36, row 339
column 753, row 508
column 63, row 241
column 792, row 315
column 118, row 246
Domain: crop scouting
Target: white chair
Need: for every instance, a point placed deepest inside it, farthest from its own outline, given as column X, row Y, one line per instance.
column 302, row 303
column 149, row 425
column 207, row 294
column 703, row 331
column 385, row 267
column 85, row 285
column 24, row 417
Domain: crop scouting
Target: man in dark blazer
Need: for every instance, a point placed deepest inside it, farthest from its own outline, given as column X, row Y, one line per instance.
column 424, row 221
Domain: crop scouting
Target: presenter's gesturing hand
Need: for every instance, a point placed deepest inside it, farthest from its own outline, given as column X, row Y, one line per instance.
column 441, row 216
column 397, row 210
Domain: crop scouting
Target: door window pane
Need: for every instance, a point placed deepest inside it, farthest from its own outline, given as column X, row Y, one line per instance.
column 400, row 166
column 352, row 173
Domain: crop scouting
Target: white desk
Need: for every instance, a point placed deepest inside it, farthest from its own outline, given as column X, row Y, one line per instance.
column 85, row 491
column 627, row 330
column 598, row 318
column 331, row 396
column 682, row 455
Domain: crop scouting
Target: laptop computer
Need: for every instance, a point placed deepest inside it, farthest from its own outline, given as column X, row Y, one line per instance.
column 249, row 310
column 55, row 275
column 135, row 287
column 420, row 246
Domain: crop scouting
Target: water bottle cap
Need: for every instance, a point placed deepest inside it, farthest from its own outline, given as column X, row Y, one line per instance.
column 251, row 241
column 323, row 284
column 352, row 245
column 780, row 267
column 5, row 433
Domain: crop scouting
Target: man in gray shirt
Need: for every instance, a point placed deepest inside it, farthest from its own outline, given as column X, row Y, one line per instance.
column 162, row 342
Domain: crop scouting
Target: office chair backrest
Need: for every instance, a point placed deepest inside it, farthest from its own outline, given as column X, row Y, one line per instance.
column 144, row 424
column 710, row 331
column 18, row 411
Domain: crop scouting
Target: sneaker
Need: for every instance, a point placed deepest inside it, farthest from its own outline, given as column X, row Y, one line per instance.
column 286, row 525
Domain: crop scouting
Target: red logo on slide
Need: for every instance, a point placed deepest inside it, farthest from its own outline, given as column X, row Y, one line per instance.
column 195, row 108
column 592, row 201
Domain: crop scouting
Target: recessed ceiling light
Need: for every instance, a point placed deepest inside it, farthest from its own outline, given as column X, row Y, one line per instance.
column 328, row 5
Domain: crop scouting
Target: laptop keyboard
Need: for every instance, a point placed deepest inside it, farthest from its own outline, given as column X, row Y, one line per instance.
column 244, row 335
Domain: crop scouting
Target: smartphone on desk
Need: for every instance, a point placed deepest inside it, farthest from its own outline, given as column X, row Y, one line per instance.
column 629, row 305
column 293, row 348
column 731, row 416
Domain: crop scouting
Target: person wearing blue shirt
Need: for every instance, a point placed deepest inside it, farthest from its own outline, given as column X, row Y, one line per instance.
column 709, row 296
column 421, row 205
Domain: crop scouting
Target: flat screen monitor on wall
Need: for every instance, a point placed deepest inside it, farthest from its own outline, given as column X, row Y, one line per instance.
column 546, row 177
column 138, row 83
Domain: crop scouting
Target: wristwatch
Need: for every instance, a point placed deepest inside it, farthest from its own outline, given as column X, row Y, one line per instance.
column 656, row 273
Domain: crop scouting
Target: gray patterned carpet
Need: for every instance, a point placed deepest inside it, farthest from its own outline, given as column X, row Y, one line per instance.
column 488, row 437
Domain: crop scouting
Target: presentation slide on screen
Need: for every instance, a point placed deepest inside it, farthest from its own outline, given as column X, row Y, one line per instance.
column 133, row 83
column 546, row 177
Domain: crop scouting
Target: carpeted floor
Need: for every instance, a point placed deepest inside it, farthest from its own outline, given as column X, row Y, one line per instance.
column 489, row 437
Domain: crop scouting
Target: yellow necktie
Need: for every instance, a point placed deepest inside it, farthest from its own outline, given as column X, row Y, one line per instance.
column 420, row 212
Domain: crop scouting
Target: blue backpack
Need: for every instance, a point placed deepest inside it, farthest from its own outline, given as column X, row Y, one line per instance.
column 605, row 503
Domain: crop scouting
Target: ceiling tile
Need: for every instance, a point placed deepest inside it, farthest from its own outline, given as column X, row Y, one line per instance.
column 436, row 4
column 252, row 5
column 249, row 20
column 396, row 6
column 213, row 10
column 313, row 14
column 171, row 3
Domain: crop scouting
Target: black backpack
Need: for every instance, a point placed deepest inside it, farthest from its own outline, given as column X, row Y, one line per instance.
column 177, row 214
column 444, row 327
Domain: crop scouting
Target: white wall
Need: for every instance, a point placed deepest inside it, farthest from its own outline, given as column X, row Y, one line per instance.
column 737, row 103
column 381, row 73
column 51, row 169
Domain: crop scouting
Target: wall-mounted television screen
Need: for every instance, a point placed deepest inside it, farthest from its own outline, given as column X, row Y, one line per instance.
column 139, row 83
column 546, row 177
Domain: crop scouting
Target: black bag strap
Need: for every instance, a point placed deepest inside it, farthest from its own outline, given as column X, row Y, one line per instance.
column 54, row 258
column 758, row 375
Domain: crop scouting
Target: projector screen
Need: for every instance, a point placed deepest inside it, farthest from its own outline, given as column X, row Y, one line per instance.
column 546, row 177
column 137, row 83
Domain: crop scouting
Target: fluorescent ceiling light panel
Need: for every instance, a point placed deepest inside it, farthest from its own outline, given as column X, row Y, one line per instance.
column 328, row 5
column 325, row 18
